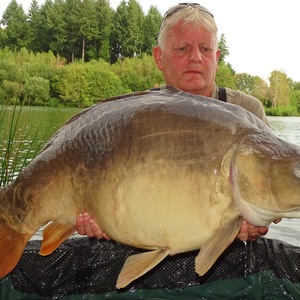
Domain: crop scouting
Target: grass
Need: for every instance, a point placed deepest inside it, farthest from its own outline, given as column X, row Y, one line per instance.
column 17, row 141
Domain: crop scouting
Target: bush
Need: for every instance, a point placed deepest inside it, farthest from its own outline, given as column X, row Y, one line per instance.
column 281, row 111
column 138, row 74
column 11, row 90
column 36, row 91
column 84, row 84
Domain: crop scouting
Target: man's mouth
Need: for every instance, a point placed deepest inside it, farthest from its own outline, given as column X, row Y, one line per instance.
column 192, row 72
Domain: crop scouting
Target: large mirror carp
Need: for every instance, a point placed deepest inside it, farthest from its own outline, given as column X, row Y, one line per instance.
column 165, row 171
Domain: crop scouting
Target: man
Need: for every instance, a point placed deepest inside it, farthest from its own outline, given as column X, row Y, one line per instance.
column 188, row 55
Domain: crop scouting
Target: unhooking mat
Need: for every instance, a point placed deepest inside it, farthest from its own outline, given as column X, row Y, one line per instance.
column 84, row 268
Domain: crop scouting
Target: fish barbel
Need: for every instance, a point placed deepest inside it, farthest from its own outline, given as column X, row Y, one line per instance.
column 165, row 171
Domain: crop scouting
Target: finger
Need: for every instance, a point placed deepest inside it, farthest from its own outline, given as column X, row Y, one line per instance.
column 87, row 228
column 105, row 236
column 253, row 232
column 79, row 225
column 263, row 230
column 256, row 231
column 95, row 229
column 243, row 234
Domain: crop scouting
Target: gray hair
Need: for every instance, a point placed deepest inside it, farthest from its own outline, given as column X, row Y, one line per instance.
column 188, row 15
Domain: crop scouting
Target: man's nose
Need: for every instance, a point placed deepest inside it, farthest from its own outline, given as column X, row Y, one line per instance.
column 195, row 55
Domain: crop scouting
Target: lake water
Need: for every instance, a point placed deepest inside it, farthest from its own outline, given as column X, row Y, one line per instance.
column 287, row 230
column 31, row 127
column 48, row 120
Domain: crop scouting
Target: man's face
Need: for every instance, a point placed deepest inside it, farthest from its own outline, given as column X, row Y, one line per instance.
column 189, row 60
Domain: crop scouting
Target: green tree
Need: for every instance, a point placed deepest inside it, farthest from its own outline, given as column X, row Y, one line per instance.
column 224, row 76
column 260, row 90
column 8, row 67
column 17, row 28
column 151, row 28
column 72, row 15
column 100, row 47
column 127, row 30
column 44, row 33
column 10, row 90
column 138, row 73
column 89, row 29
column 83, row 84
column 35, row 21
column 279, row 89
column 244, row 82
column 36, row 90
column 295, row 97
column 56, row 24
column 223, row 47
column 3, row 37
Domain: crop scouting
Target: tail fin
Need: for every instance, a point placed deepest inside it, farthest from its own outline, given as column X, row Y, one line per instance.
column 12, row 245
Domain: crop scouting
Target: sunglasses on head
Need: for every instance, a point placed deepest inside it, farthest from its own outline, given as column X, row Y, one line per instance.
column 180, row 6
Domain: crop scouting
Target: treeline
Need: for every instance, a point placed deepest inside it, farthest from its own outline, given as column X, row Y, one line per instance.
column 81, row 29
column 78, row 52
column 43, row 79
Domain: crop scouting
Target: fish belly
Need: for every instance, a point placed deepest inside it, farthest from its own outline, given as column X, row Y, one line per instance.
column 148, row 207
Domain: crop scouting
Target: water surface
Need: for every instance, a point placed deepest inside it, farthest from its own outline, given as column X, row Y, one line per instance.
column 287, row 230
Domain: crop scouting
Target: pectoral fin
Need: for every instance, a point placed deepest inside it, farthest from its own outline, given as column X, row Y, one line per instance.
column 53, row 235
column 139, row 264
column 214, row 247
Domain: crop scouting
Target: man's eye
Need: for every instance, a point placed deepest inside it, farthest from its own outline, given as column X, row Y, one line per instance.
column 181, row 50
column 206, row 50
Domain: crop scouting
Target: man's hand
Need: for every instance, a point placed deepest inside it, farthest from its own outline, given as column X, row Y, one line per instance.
column 249, row 232
column 86, row 225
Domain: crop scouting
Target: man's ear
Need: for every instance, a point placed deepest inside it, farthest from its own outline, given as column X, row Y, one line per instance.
column 157, row 56
column 218, row 54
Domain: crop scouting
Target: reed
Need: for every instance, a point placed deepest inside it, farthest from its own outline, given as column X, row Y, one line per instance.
column 19, row 142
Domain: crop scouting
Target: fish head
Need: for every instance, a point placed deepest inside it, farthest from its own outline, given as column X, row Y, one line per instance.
column 265, row 178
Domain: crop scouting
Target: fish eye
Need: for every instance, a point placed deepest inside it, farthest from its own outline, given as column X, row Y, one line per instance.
column 297, row 169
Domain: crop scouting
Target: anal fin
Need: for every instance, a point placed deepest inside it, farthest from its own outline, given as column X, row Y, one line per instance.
column 215, row 246
column 12, row 245
column 139, row 264
column 53, row 235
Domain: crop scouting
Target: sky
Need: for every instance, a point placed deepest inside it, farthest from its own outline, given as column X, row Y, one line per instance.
column 261, row 35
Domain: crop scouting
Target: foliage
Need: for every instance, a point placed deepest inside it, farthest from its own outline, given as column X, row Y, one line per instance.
column 151, row 29
column 127, row 32
column 223, row 47
column 244, row 82
column 280, row 90
column 80, row 29
column 252, row 85
column 85, row 84
column 138, row 73
column 19, row 72
column 43, row 79
column 281, row 111
column 46, row 79
column 36, row 90
column 36, row 51
column 224, row 76
column 17, row 27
